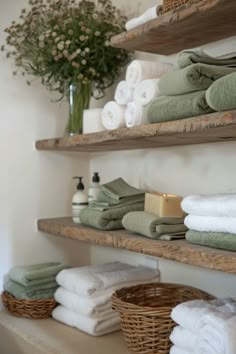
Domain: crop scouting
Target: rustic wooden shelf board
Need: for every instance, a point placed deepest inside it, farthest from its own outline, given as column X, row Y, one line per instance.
column 180, row 251
column 215, row 127
column 195, row 24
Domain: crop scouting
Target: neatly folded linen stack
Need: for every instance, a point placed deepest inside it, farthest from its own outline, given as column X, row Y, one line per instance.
column 36, row 281
column 211, row 220
column 115, row 199
column 85, row 295
column 204, row 327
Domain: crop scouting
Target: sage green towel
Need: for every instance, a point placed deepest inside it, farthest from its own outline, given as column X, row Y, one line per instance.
column 102, row 205
column 193, row 78
column 118, row 189
column 109, row 219
column 219, row 240
column 221, row 95
column 43, row 291
column 36, row 274
column 151, row 226
column 172, row 108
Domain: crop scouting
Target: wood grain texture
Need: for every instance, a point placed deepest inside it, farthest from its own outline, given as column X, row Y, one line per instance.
column 179, row 251
column 194, row 24
column 215, row 127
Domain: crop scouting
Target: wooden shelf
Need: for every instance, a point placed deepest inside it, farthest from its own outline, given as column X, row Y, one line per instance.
column 180, row 251
column 215, row 127
column 203, row 22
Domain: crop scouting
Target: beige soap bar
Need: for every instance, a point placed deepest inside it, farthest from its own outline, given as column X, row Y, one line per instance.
column 163, row 205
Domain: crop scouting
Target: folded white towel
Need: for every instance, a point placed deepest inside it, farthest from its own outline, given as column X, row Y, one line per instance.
column 113, row 115
column 140, row 70
column 93, row 307
column 178, row 350
column 146, row 90
column 210, row 205
column 183, row 338
column 124, row 92
column 135, row 115
column 92, row 326
column 211, row 223
column 148, row 15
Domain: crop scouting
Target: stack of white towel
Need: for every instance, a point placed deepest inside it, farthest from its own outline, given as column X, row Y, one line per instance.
column 133, row 93
column 204, row 327
column 85, row 294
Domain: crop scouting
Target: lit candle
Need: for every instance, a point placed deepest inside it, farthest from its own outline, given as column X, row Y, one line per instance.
column 163, row 205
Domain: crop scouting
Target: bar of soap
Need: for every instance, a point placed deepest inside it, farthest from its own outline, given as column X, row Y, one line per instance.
column 163, row 205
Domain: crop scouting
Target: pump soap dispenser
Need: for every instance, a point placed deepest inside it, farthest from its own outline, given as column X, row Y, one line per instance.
column 94, row 188
column 79, row 201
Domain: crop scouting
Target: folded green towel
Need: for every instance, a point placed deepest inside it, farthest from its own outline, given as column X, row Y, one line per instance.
column 221, row 95
column 36, row 274
column 109, row 219
column 151, row 226
column 102, row 205
column 219, row 240
column 193, row 78
column 171, row 108
column 193, row 56
column 118, row 189
column 44, row 291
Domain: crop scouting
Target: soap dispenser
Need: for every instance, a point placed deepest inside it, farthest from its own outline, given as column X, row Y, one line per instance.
column 79, row 200
column 94, row 188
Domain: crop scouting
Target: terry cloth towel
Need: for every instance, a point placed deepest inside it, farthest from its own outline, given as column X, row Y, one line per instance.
column 92, row 326
column 219, row 240
column 193, row 56
column 221, row 95
column 148, row 15
column 93, row 281
column 135, row 115
column 118, row 189
column 140, row 70
column 113, row 115
column 152, row 226
column 166, row 109
column 179, row 350
column 124, row 93
column 33, row 292
column 36, row 274
column 211, row 223
column 210, row 205
column 101, row 205
column 146, row 90
column 193, row 78
column 183, row 338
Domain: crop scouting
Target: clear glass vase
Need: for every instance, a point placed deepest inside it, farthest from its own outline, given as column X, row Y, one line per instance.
column 78, row 95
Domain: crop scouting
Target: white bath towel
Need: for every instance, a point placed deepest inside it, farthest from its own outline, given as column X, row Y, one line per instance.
column 183, row 338
column 93, row 307
column 140, row 70
column 148, row 15
column 178, row 350
column 124, row 92
column 113, row 115
column 211, row 223
column 135, row 115
column 94, row 327
column 146, row 90
column 210, row 205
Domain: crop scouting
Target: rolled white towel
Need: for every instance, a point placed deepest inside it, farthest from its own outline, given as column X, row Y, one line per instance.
column 124, row 92
column 183, row 338
column 179, row 350
column 135, row 115
column 148, row 15
column 140, row 70
column 113, row 115
column 211, row 223
column 92, row 326
column 146, row 90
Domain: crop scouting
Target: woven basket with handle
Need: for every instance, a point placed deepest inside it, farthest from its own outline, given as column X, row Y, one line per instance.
column 169, row 5
column 145, row 314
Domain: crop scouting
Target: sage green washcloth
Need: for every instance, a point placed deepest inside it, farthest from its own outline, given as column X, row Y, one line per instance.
column 151, row 226
column 219, row 240
column 36, row 274
column 43, row 291
column 172, row 108
column 118, row 189
column 193, row 78
column 221, row 95
column 109, row 219
column 102, row 205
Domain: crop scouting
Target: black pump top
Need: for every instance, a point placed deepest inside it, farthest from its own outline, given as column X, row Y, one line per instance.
column 80, row 185
column 96, row 178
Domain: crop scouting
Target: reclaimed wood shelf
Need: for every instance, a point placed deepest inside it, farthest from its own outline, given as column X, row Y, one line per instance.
column 179, row 251
column 200, row 22
column 215, row 127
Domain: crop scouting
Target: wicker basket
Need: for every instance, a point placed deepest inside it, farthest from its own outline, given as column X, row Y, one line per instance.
column 145, row 314
column 36, row 309
column 169, row 5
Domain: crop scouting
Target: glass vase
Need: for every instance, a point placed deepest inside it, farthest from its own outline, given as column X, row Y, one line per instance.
column 78, row 97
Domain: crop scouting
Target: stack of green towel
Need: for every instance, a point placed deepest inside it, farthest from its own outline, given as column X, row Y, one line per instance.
column 116, row 199
column 33, row 282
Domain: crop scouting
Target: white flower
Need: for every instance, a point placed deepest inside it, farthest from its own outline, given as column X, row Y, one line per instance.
column 97, row 33
column 84, row 62
column 54, row 34
column 80, row 76
column 65, row 53
column 82, row 38
column 60, row 45
column 54, row 52
column 41, row 45
column 78, row 51
column 41, row 38
column 68, row 43
column 95, row 16
column 87, row 50
column 107, row 43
